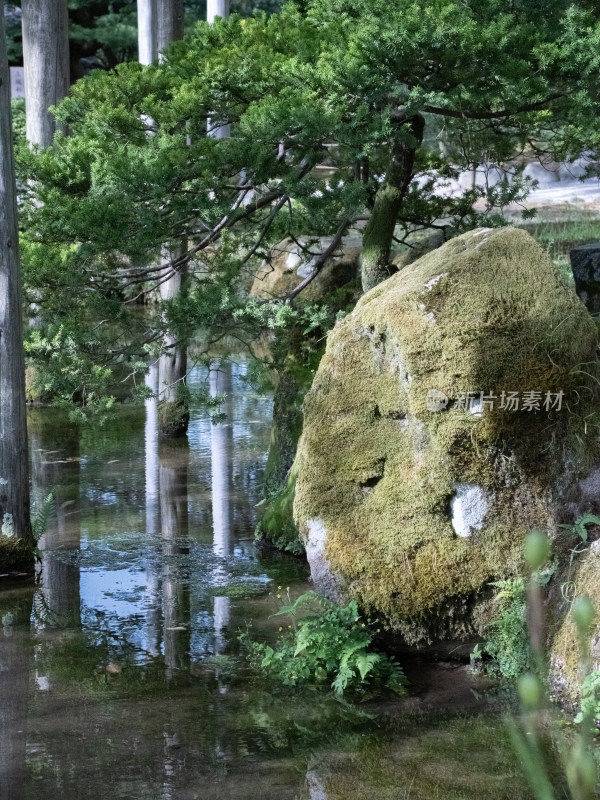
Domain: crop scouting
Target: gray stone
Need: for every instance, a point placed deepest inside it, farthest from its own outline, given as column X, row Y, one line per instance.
column 326, row 581
column 585, row 263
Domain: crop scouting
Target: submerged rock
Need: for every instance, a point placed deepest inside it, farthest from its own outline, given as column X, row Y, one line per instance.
column 447, row 419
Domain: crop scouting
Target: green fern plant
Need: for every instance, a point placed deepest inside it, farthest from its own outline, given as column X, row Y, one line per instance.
column 590, row 700
column 41, row 517
column 332, row 643
column 580, row 525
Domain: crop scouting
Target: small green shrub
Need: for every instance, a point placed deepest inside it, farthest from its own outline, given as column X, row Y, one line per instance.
column 590, row 698
column 579, row 526
column 507, row 645
column 333, row 643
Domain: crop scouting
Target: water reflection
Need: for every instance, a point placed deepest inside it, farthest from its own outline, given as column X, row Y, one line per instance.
column 125, row 687
column 151, row 451
column 173, row 482
column 55, row 469
column 16, row 658
column 221, row 449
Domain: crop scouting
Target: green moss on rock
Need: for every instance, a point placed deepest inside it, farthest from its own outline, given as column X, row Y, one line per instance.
column 173, row 419
column 567, row 668
column 287, row 427
column 381, row 479
column 277, row 525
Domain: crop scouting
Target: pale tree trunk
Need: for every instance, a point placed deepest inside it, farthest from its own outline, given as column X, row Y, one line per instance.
column 173, row 414
column 14, row 473
column 46, row 59
column 45, row 25
column 147, row 31
column 169, row 23
column 216, row 8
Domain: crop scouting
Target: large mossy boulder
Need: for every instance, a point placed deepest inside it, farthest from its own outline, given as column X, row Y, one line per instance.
column 414, row 511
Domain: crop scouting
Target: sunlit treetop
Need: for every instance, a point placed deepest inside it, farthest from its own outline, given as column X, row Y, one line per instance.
column 337, row 108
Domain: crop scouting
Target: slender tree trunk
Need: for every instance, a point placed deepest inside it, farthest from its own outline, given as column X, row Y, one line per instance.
column 169, row 23
column 173, row 414
column 147, row 31
column 14, row 472
column 47, row 72
column 46, row 59
column 216, row 8
column 379, row 233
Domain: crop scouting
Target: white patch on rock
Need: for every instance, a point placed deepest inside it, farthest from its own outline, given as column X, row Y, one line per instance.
column 295, row 261
column 430, row 284
column 316, row 785
column 469, row 507
column 325, row 580
column 8, row 525
column 483, row 232
column 397, row 364
column 430, row 315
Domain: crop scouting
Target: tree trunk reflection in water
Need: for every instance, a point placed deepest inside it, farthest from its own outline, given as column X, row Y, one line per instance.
column 16, row 658
column 174, row 459
column 167, row 584
column 58, row 603
column 152, row 602
column 221, row 447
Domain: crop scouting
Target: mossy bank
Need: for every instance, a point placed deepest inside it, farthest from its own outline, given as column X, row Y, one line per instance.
column 16, row 556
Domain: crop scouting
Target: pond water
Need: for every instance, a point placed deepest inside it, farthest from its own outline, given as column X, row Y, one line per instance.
column 121, row 673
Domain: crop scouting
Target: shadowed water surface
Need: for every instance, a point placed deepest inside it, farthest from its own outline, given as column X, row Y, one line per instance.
column 121, row 675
